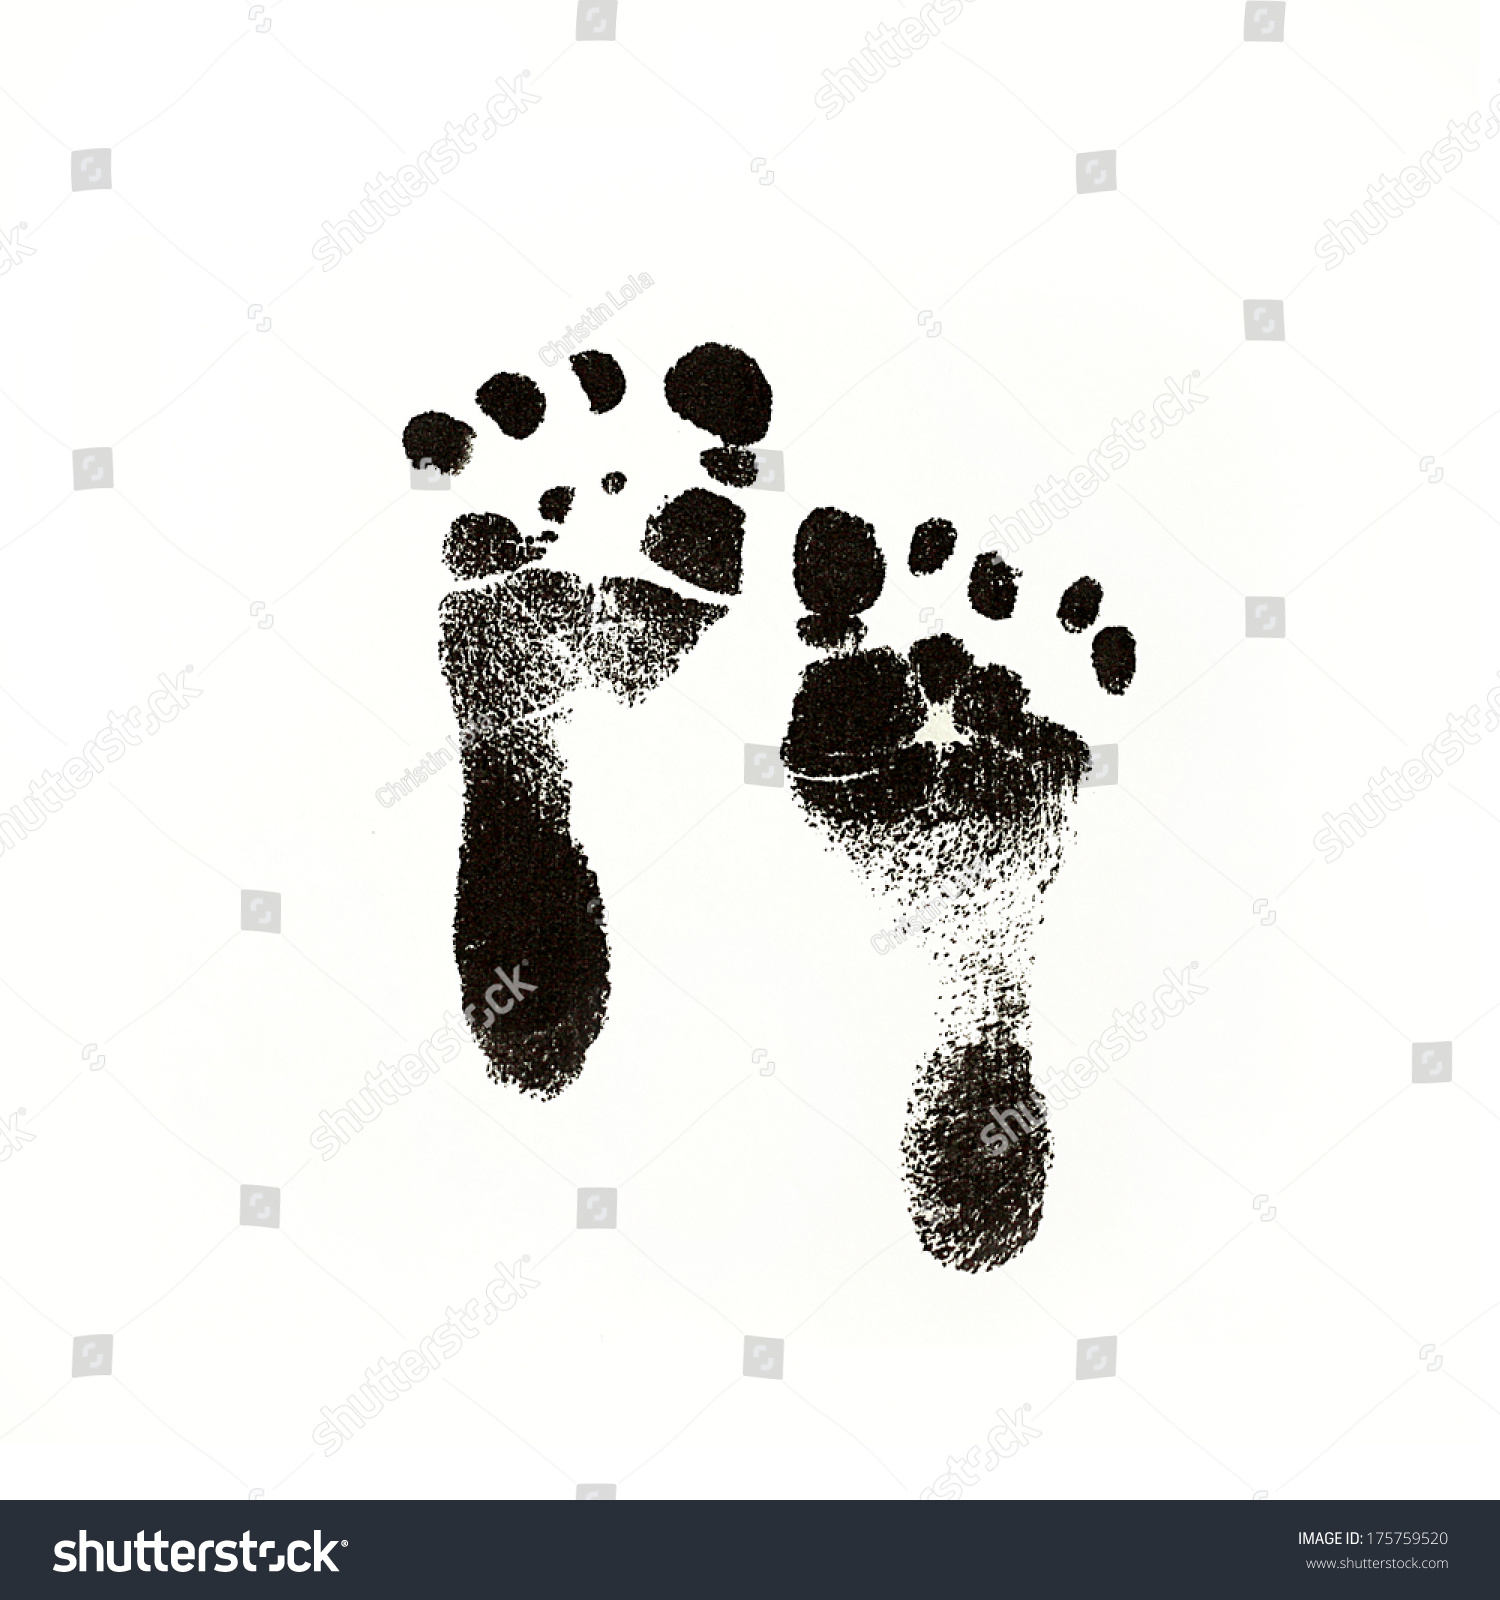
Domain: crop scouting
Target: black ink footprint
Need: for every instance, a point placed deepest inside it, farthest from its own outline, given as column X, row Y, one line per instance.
column 930, row 773
column 528, row 934
column 926, row 769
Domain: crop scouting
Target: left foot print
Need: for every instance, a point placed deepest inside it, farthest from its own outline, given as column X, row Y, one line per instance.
column 517, row 645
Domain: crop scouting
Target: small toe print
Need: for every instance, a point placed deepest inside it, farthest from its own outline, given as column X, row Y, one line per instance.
column 723, row 391
column 837, row 566
column 436, row 438
column 1079, row 608
column 992, row 587
column 941, row 661
column 612, row 482
column 601, row 377
column 513, row 402
column 1114, row 659
column 931, row 545
column 737, row 468
column 556, row 503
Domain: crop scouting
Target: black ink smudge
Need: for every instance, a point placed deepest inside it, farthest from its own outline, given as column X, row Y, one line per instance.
column 612, row 482
column 1079, row 607
column 602, row 379
column 1114, row 659
column 699, row 536
column 723, row 391
column 513, row 402
column 737, row 468
column 931, row 545
column 992, row 587
column 436, row 438
column 556, row 503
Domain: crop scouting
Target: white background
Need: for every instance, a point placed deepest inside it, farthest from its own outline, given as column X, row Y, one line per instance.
column 1257, row 1352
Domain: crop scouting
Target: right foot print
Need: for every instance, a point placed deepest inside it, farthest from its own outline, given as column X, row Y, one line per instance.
column 528, row 928
column 953, row 799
